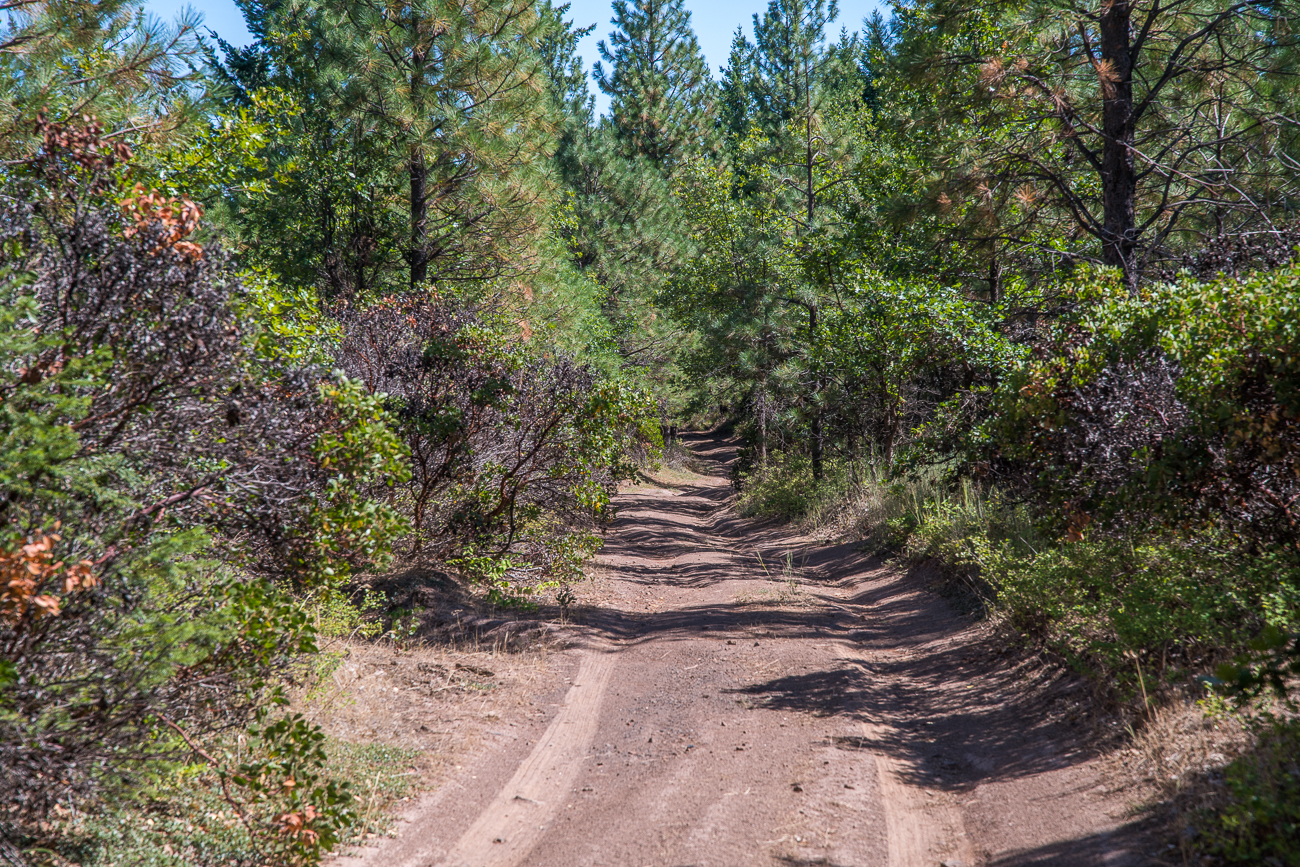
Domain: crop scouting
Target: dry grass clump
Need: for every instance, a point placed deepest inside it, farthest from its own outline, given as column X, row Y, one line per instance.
column 678, row 458
column 1180, row 745
column 786, row 580
column 1218, row 779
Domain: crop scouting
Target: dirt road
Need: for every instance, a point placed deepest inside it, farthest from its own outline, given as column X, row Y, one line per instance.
column 745, row 696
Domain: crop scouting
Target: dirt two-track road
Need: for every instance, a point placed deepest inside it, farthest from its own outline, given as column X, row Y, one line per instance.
column 745, row 696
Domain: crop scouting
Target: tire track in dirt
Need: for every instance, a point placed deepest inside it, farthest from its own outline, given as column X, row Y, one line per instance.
column 922, row 826
column 828, row 711
column 508, row 828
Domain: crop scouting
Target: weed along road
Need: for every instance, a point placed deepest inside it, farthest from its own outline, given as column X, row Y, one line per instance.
column 736, row 694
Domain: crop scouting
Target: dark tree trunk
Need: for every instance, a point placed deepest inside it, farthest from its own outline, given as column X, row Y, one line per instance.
column 419, row 188
column 419, row 219
column 995, row 276
column 332, row 261
column 891, row 436
column 1118, row 177
column 810, row 203
column 816, row 399
column 817, row 444
column 853, row 453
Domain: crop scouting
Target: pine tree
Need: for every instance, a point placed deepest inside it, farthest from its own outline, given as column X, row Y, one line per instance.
column 325, row 202
column 663, row 99
column 558, row 47
column 573, row 101
column 1131, row 129
column 804, row 165
column 101, row 58
column 457, row 86
column 736, row 102
column 627, row 232
column 791, row 60
column 432, row 117
column 630, row 237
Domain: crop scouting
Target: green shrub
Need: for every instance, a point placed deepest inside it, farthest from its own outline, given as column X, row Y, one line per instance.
column 785, row 488
column 1169, row 608
column 166, row 483
column 340, row 614
column 1164, row 606
column 182, row 819
column 887, row 513
column 913, row 512
column 957, row 526
column 1258, row 823
column 771, row 496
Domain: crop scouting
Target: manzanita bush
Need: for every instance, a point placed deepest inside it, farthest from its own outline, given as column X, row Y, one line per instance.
column 513, row 452
column 162, row 486
column 1158, row 435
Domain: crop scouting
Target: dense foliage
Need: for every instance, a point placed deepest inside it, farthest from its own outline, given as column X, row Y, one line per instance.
column 259, row 335
column 163, row 484
column 509, row 452
column 1009, row 285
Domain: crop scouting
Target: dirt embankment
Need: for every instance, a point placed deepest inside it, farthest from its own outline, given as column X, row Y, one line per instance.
column 739, row 695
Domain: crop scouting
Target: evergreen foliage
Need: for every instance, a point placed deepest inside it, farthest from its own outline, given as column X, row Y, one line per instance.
column 105, row 58
column 626, row 231
column 1015, row 278
column 1133, row 130
column 374, row 86
column 163, row 486
column 662, row 97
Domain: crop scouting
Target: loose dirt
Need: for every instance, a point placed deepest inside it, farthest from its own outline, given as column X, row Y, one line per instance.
column 736, row 694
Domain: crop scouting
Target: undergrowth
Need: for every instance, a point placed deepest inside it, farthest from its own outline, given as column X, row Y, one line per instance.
column 1159, row 609
column 1255, row 820
column 785, row 489
column 180, row 818
column 1140, row 617
column 676, row 456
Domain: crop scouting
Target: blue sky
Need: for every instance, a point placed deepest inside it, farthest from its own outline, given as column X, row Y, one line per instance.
column 714, row 22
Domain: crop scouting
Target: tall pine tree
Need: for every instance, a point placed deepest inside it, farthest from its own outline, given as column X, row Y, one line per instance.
column 426, row 131
column 735, row 99
column 1123, row 133
column 457, row 84
column 662, row 97
column 804, row 168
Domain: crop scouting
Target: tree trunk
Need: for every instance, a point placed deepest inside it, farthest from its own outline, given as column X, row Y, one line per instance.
column 816, row 398
column 419, row 187
column 817, row 444
column 995, row 275
column 1119, row 178
column 891, row 436
column 419, row 254
column 853, row 454
column 811, row 205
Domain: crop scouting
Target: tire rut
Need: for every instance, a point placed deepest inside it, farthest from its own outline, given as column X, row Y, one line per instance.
column 508, row 828
column 725, row 716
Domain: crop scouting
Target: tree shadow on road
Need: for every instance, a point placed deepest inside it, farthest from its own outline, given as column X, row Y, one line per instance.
column 944, row 736
column 1124, row 847
column 954, row 706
